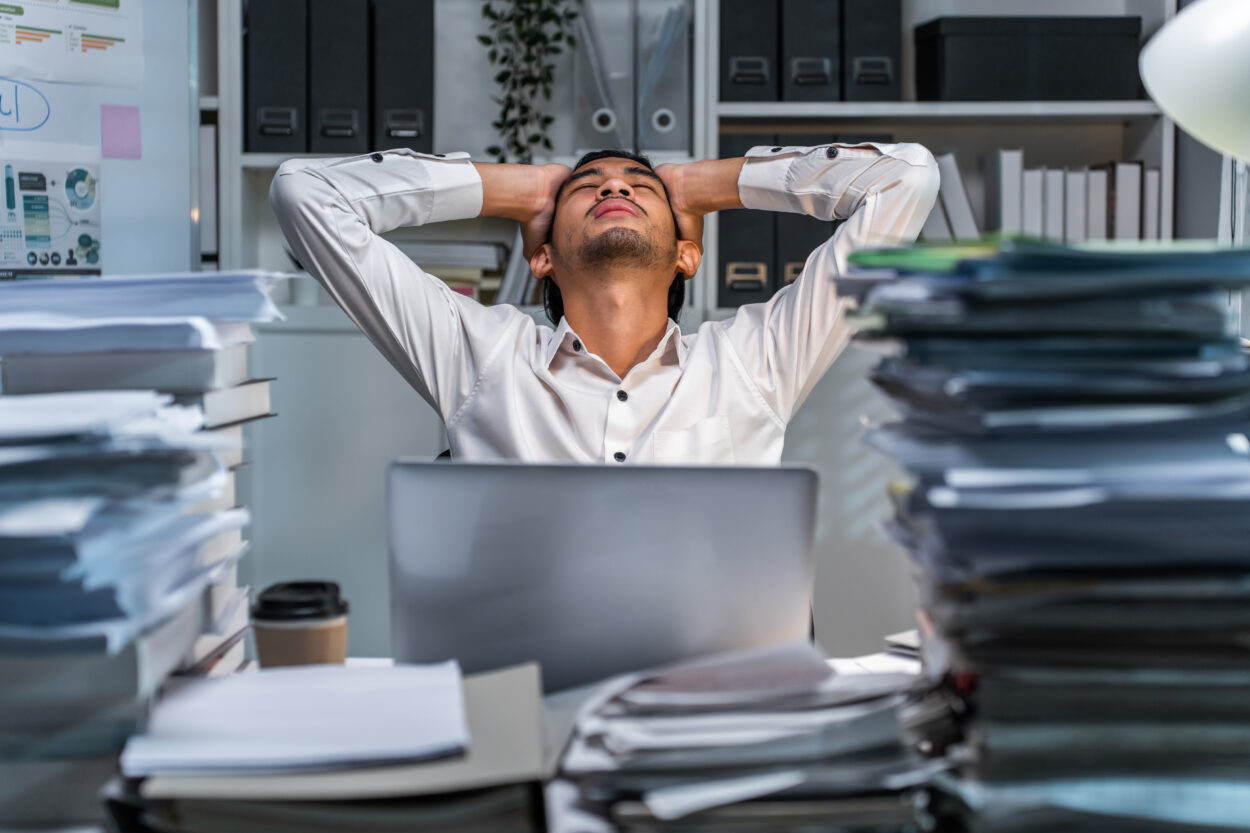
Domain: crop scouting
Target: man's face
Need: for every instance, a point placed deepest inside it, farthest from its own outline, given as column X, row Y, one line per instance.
column 614, row 211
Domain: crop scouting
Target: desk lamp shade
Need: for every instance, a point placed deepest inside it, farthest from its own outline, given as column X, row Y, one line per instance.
column 1197, row 69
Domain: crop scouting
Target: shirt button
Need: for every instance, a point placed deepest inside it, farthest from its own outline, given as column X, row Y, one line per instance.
column 831, row 153
column 577, row 346
column 377, row 157
column 622, row 395
column 619, row 456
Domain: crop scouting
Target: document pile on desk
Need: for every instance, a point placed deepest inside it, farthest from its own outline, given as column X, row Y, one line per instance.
column 118, row 527
column 342, row 749
column 766, row 740
column 1076, row 429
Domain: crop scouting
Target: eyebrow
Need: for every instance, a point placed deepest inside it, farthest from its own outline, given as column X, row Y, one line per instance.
column 632, row 170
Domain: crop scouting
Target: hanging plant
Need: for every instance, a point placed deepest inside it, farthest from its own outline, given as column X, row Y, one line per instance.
column 524, row 36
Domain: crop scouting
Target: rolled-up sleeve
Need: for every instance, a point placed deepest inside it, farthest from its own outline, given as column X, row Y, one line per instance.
column 333, row 212
column 883, row 192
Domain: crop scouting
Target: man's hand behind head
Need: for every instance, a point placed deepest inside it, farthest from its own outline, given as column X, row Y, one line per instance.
column 536, row 228
column 689, row 218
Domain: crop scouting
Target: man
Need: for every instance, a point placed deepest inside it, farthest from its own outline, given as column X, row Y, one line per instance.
column 615, row 381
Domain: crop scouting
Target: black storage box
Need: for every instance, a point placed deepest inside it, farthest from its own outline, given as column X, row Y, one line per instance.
column 1027, row 58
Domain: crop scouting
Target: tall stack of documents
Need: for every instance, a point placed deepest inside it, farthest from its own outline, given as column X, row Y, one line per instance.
column 334, row 748
column 1075, row 425
column 119, row 533
column 766, row 740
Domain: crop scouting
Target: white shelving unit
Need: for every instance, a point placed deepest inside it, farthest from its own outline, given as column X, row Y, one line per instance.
column 1062, row 133
column 1052, row 133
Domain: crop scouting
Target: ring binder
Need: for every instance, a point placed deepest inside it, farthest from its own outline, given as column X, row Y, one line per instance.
column 746, row 277
column 277, row 121
column 749, row 70
column 403, row 124
column 811, row 71
column 875, row 70
column 339, row 124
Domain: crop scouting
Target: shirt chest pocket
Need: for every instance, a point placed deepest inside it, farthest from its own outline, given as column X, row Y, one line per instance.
column 707, row 441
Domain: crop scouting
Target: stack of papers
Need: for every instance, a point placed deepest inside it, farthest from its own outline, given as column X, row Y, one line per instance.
column 119, row 529
column 771, row 739
column 1080, row 505
column 103, row 578
column 339, row 749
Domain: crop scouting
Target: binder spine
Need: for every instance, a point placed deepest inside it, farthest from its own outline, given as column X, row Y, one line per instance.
column 748, row 51
column 746, row 241
column 811, row 63
column 275, row 47
column 338, row 73
column 872, row 39
column 403, row 74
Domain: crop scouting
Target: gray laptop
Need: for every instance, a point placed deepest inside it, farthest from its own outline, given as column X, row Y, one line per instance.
column 595, row 570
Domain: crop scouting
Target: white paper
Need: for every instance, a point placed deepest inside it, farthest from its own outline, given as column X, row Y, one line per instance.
column 76, row 414
column 48, row 332
column 304, row 718
column 675, row 802
column 239, row 296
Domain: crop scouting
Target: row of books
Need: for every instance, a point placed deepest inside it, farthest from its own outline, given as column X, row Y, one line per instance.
column 120, row 531
column 1115, row 201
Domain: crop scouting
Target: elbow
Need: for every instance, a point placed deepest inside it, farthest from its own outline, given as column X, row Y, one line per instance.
column 923, row 179
column 284, row 191
column 300, row 199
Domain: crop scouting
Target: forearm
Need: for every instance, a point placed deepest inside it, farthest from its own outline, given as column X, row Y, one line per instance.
column 515, row 192
column 707, row 186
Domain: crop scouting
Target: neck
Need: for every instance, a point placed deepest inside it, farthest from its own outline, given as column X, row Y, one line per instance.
column 620, row 323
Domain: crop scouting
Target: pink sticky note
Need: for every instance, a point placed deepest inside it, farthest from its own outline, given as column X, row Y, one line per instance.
column 120, row 135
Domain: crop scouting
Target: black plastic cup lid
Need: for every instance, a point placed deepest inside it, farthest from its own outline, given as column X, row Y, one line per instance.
column 299, row 600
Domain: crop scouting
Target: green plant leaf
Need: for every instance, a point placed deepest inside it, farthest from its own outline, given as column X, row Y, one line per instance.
column 484, row 40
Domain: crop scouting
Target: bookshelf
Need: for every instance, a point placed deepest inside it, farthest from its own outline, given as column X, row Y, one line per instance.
column 1058, row 133
column 1052, row 133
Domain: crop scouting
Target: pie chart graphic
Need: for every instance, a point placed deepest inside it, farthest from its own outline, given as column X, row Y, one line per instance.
column 80, row 189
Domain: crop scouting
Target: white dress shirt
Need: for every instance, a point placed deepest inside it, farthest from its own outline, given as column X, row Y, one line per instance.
column 508, row 388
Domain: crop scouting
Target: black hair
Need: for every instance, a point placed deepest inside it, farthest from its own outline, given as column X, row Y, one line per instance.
column 553, row 301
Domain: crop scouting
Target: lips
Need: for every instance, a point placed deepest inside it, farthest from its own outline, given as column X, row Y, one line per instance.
column 615, row 206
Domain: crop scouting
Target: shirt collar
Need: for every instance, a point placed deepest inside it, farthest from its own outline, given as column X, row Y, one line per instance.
column 670, row 344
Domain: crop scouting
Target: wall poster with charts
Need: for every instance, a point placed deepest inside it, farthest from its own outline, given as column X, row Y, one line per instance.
column 50, row 217
column 96, row 42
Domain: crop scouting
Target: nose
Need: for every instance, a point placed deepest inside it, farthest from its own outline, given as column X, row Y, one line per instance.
column 615, row 187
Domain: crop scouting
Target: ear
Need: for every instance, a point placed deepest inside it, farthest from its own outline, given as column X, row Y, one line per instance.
column 540, row 261
column 689, row 256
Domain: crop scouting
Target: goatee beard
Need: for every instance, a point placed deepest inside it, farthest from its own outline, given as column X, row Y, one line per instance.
column 620, row 246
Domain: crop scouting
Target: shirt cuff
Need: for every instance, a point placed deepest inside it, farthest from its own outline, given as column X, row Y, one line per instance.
column 762, row 181
column 456, row 184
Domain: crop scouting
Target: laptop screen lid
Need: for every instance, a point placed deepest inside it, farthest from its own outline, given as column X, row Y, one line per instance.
column 595, row 570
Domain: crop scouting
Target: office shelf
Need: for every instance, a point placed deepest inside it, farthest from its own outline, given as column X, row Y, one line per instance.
column 970, row 111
